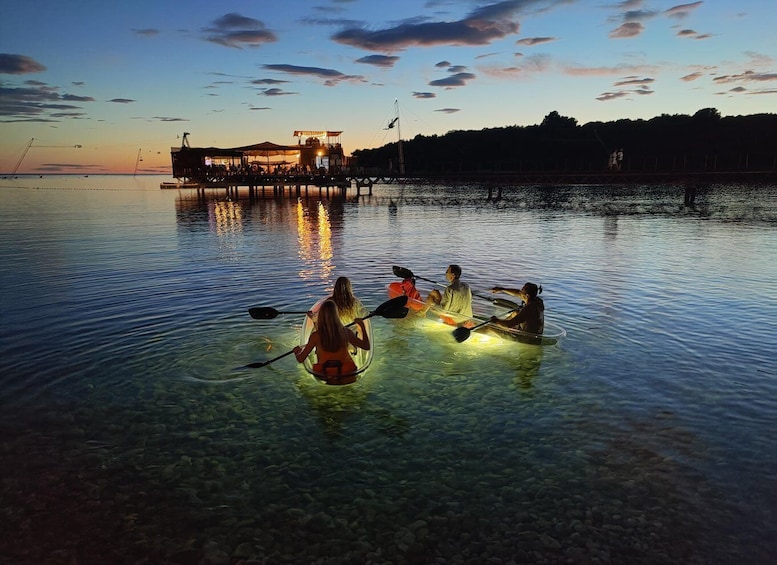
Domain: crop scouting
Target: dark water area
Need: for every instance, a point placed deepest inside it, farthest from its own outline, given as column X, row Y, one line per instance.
column 131, row 435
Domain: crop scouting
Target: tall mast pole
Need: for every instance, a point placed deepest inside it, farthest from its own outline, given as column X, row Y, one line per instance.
column 24, row 154
column 399, row 139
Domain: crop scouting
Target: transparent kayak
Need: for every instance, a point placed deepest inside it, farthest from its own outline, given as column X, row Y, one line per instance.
column 551, row 336
column 331, row 375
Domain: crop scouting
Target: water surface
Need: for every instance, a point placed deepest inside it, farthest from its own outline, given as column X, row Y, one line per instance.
column 129, row 431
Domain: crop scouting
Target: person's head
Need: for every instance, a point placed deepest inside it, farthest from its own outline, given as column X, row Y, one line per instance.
column 342, row 291
column 531, row 290
column 454, row 272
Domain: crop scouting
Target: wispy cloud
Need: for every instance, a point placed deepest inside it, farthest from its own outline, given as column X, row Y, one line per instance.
column 626, row 30
column 234, row 30
column 121, row 100
column 480, row 27
column 276, row 92
column 535, row 40
column 458, row 79
column 448, row 110
column 12, row 64
column 331, row 76
column 424, row 95
column 682, row 10
column 747, row 76
column 36, row 101
column 379, row 60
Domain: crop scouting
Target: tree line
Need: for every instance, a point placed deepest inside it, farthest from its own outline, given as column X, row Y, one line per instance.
column 705, row 141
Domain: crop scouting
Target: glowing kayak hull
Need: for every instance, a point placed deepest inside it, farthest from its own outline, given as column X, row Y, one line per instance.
column 552, row 335
column 362, row 358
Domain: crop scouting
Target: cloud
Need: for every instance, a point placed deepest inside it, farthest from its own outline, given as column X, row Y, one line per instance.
column 37, row 102
column 448, row 110
column 480, row 27
column 74, row 115
column 629, row 29
column 379, row 60
column 58, row 167
column 276, row 92
column 629, row 81
column 628, row 70
column 260, row 108
column 331, row 77
column 535, row 40
column 747, row 76
column 607, row 96
column 168, row 119
column 268, row 81
column 638, row 15
column 121, row 100
column 11, row 64
column 424, row 95
column 691, row 77
column 641, row 91
column 458, row 79
column 682, row 10
column 234, row 30
column 147, row 32
column 74, row 98
column 630, row 4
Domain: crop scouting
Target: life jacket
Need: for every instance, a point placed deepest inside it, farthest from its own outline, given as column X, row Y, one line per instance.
column 409, row 289
column 332, row 372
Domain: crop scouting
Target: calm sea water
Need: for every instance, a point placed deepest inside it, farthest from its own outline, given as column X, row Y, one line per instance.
column 130, row 433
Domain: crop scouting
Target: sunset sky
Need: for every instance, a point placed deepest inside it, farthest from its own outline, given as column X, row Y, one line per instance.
column 123, row 79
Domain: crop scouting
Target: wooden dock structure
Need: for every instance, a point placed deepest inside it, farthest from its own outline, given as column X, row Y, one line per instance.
column 495, row 183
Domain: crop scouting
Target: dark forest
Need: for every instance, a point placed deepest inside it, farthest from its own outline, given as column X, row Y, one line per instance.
column 705, row 141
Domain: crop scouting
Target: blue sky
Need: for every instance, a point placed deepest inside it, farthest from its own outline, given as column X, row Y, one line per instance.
column 123, row 79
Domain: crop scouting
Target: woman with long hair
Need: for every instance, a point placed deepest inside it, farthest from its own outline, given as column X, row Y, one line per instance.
column 332, row 342
column 348, row 306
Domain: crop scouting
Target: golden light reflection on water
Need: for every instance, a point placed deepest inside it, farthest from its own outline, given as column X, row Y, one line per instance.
column 314, row 236
column 227, row 217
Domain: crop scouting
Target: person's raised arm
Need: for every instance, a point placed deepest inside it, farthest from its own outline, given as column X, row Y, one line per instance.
column 510, row 291
column 362, row 340
column 301, row 353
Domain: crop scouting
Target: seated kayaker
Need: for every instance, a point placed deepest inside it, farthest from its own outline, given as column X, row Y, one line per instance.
column 348, row 306
column 457, row 296
column 530, row 318
column 409, row 289
column 331, row 340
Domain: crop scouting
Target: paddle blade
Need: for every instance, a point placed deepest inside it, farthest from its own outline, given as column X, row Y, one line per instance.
column 387, row 308
column 461, row 334
column 402, row 273
column 397, row 313
column 260, row 313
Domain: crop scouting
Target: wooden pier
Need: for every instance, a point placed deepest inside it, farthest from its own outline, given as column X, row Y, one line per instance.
column 495, row 183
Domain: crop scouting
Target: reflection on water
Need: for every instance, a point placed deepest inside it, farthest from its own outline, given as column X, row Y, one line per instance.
column 314, row 234
column 645, row 437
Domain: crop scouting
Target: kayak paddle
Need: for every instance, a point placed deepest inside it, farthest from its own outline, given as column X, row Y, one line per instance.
column 267, row 313
column 404, row 273
column 394, row 308
column 462, row 333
